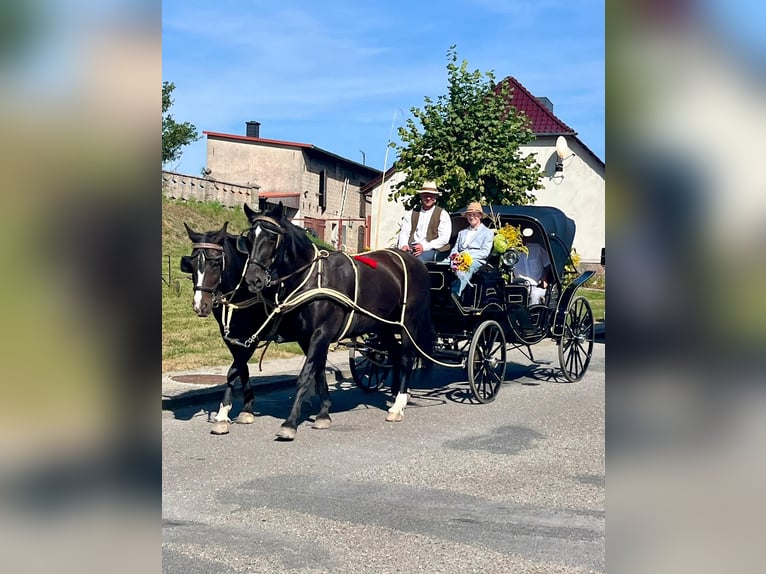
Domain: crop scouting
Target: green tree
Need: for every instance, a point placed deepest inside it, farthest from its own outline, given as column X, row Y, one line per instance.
column 174, row 135
column 469, row 144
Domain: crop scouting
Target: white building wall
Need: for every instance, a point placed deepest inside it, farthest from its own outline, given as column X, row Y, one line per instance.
column 386, row 215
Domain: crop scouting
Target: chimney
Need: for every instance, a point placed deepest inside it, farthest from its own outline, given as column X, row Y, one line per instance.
column 546, row 102
column 253, row 129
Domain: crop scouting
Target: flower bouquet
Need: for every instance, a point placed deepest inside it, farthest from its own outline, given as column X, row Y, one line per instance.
column 460, row 261
column 508, row 237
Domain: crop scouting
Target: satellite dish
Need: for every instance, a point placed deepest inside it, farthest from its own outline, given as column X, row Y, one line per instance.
column 562, row 148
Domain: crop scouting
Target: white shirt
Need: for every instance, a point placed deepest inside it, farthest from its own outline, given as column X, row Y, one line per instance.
column 445, row 228
column 530, row 267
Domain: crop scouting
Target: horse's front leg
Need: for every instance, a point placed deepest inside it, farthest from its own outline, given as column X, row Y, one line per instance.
column 246, row 416
column 221, row 419
column 316, row 358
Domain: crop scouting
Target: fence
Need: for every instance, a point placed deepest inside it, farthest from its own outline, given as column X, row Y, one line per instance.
column 188, row 187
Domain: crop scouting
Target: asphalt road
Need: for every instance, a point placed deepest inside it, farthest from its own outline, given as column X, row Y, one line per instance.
column 513, row 486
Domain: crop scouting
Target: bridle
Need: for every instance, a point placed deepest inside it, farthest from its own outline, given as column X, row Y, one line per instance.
column 280, row 232
column 201, row 259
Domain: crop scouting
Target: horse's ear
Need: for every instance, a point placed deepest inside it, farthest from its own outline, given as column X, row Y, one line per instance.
column 278, row 211
column 220, row 235
column 193, row 235
column 248, row 212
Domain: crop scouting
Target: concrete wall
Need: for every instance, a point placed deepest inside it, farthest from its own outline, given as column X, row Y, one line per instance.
column 179, row 186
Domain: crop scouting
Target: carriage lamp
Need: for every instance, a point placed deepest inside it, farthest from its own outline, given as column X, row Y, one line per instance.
column 510, row 258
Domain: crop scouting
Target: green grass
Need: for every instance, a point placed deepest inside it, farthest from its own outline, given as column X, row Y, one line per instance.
column 597, row 300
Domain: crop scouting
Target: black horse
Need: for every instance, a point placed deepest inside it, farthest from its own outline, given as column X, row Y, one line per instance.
column 217, row 270
column 324, row 297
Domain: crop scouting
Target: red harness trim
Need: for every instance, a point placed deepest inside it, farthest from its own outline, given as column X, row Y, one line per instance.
column 367, row 261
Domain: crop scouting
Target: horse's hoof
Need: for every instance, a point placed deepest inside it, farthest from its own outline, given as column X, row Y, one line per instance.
column 322, row 423
column 394, row 417
column 245, row 418
column 220, row 427
column 286, row 433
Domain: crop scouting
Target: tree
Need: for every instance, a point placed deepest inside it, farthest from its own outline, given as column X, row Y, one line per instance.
column 174, row 135
column 469, row 144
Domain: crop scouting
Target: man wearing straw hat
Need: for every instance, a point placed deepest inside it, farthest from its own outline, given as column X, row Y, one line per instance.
column 476, row 240
column 426, row 230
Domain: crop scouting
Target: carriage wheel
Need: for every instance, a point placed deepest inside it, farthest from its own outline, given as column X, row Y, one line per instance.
column 486, row 361
column 370, row 367
column 576, row 343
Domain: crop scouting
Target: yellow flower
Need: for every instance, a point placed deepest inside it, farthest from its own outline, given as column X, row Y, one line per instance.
column 571, row 266
column 461, row 261
column 509, row 237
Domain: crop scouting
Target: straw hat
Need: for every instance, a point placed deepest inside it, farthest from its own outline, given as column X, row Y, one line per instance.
column 474, row 207
column 430, row 187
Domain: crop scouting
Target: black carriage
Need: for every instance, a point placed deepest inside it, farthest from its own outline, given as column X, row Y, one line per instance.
column 494, row 316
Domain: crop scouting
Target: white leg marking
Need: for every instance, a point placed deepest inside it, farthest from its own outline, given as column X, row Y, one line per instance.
column 222, row 416
column 399, row 403
column 198, row 294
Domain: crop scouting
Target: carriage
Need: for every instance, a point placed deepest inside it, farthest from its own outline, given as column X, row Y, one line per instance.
column 494, row 316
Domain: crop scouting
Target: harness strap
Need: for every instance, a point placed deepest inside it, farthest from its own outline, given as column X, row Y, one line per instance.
column 356, row 296
column 207, row 246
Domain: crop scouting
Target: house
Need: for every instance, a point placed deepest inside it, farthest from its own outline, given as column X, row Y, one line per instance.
column 320, row 190
column 576, row 185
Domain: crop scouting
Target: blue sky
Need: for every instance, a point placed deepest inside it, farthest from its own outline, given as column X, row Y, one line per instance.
column 339, row 74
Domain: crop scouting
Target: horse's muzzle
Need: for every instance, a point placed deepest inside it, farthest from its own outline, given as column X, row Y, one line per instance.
column 257, row 279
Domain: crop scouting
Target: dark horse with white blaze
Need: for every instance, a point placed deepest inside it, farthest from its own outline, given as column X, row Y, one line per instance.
column 324, row 297
column 217, row 270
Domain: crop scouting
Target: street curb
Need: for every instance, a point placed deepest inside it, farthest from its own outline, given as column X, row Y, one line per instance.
column 277, row 375
column 212, row 393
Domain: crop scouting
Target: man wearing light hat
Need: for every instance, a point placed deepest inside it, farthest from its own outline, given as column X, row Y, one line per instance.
column 426, row 230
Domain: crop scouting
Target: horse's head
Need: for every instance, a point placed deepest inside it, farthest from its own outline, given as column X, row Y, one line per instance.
column 206, row 264
column 265, row 239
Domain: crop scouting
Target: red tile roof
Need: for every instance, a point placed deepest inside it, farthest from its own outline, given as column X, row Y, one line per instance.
column 544, row 122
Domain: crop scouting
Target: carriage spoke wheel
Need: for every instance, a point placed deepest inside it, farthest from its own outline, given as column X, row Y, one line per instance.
column 370, row 367
column 486, row 361
column 576, row 343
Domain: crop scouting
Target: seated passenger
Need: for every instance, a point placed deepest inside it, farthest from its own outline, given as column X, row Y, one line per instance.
column 426, row 230
column 534, row 268
column 476, row 240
